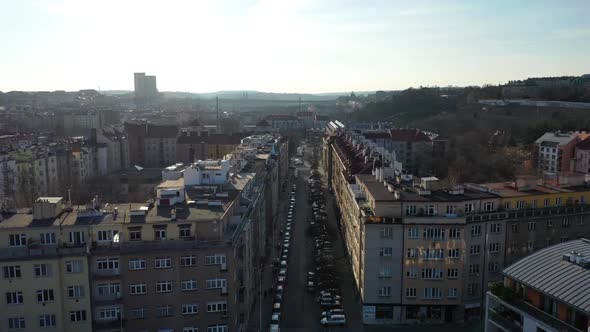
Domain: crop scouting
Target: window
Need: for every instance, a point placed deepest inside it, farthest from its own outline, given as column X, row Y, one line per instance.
column 135, row 234
column 453, row 273
column 75, row 292
column 109, row 313
column 107, row 263
column 455, row 233
column 188, row 285
column 433, row 293
column 532, row 225
column 472, row 288
column 475, row 230
column 108, row 288
column 385, row 291
column 507, row 205
column 215, row 259
column 549, row 223
column 164, row 310
column 163, row 263
column 496, row 228
column 217, row 306
column 216, row 283
column 42, row 270
column 188, row 261
column 45, row 295
column 451, row 209
column 430, row 210
column 431, row 253
column 473, row 269
column 557, row 201
column 16, row 323
column 160, row 234
column 385, row 271
column 47, row 320
column 452, row 293
column 514, row 228
column 163, row 286
column 107, row 235
column 565, row 222
column 412, row 253
column 14, row 297
column 137, row 313
column 184, row 231
column 474, row 249
column 580, row 220
column 136, row 264
column 48, row 238
column 74, row 266
column 386, row 232
column 433, row 234
column 494, row 247
column 217, row 328
column 488, row 206
column 410, row 210
column 412, row 233
column 77, row 315
column 412, row 272
column 432, row 273
column 18, row 240
column 411, row 292
column 190, row 309
column 493, row 266
column 469, row 208
column 546, row 202
column 453, row 253
column 77, row 237
column 520, row 204
column 563, row 239
column 534, row 204
column 190, row 329
column 136, row 289
column 386, row 252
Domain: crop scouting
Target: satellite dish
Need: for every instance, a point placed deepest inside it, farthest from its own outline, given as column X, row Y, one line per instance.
column 116, row 238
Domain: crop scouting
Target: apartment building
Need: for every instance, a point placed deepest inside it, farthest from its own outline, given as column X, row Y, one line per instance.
column 115, row 145
column 546, row 291
column 190, row 146
column 44, row 276
column 188, row 260
column 582, row 157
column 556, row 150
column 7, row 183
column 151, row 145
column 445, row 242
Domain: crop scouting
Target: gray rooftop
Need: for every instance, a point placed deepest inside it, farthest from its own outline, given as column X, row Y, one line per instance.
column 547, row 272
column 559, row 138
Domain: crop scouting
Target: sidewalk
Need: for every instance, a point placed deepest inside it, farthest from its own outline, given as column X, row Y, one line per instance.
column 268, row 277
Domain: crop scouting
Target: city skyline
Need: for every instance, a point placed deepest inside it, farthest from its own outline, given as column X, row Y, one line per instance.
column 299, row 46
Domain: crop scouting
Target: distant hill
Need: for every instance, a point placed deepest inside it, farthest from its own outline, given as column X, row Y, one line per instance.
column 252, row 95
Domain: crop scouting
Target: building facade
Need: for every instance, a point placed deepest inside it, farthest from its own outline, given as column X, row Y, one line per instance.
column 444, row 242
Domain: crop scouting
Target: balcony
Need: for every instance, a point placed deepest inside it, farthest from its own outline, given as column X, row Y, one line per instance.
column 107, row 299
column 509, row 305
column 106, row 274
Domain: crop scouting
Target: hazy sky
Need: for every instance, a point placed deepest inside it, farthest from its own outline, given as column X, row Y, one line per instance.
column 288, row 45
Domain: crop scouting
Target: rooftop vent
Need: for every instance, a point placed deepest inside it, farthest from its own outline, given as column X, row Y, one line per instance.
column 578, row 259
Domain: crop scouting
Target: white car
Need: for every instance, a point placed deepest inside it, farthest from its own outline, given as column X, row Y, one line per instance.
column 283, row 272
column 333, row 312
column 334, row 320
column 276, row 308
column 283, row 264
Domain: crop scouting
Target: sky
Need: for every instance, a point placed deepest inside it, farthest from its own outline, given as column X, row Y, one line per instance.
column 304, row 46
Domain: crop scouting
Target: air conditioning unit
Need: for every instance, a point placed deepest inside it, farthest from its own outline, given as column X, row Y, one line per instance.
column 223, row 266
column 224, row 290
column 118, row 295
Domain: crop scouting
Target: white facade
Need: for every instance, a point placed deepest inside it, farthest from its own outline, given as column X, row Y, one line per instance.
column 209, row 172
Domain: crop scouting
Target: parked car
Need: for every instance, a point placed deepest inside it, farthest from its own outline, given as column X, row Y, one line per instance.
column 334, row 320
column 332, row 312
column 276, row 308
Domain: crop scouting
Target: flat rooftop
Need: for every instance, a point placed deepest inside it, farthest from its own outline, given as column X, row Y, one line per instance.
column 507, row 189
column 380, row 192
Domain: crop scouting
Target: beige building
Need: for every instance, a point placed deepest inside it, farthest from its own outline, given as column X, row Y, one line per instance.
column 187, row 261
column 423, row 250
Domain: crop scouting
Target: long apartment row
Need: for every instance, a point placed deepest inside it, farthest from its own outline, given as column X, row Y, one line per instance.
column 444, row 242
